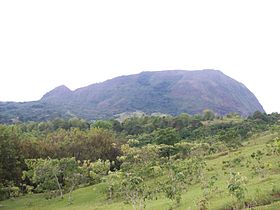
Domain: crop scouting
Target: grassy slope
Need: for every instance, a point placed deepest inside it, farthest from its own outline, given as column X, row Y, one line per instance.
column 93, row 197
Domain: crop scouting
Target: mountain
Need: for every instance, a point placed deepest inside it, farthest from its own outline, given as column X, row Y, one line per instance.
column 170, row 92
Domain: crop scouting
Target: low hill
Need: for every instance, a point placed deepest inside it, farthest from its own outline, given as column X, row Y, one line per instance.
column 170, row 92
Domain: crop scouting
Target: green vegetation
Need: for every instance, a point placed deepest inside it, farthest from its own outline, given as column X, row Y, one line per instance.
column 150, row 162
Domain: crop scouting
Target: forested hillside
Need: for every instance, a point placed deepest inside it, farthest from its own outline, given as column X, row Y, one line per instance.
column 169, row 92
column 154, row 162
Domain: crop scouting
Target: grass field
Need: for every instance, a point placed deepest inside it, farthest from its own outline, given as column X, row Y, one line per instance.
column 263, row 191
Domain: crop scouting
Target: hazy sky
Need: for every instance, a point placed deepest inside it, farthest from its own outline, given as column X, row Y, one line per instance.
column 44, row 44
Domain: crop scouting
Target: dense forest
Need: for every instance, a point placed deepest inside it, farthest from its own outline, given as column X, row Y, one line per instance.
column 137, row 159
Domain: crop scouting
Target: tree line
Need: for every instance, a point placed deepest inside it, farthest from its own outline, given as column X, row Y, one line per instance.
column 57, row 156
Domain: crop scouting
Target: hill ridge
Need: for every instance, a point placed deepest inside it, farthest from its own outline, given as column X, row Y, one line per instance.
column 168, row 91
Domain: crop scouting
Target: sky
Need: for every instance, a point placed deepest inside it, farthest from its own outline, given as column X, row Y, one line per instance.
column 44, row 44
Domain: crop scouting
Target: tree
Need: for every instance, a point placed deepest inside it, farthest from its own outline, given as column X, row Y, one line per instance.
column 113, row 182
column 44, row 173
column 104, row 124
column 98, row 170
column 11, row 160
column 274, row 147
column 237, row 186
column 209, row 189
column 258, row 165
column 176, row 182
column 133, row 126
column 53, row 176
column 168, row 136
column 187, row 149
column 208, row 114
column 134, row 187
column 72, row 175
column 138, row 166
column 133, row 157
column 134, row 190
column 181, row 121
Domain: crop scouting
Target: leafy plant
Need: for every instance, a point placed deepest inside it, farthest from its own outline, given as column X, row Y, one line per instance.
column 237, row 186
column 258, row 165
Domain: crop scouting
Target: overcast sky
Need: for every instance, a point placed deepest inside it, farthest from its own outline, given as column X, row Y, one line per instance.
column 44, row 44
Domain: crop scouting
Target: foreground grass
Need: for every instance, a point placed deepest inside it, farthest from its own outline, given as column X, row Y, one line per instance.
column 262, row 190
